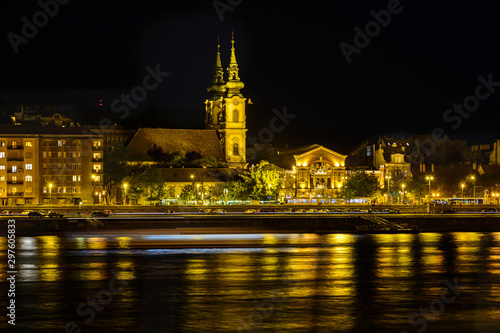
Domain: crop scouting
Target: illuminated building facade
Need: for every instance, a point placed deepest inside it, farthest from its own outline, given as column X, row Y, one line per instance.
column 49, row 165
column 317, row 175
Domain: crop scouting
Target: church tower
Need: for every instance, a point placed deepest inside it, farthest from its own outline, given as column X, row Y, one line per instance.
column 225, row 110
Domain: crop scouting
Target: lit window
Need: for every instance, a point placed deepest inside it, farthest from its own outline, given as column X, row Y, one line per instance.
column 14, row 168
column 60, row 143
column 2, row 154
column 73, row 190
column 44, row 154
column 29, row 143
column 2, row 143
column 29, row 166
column 2, row 178
column 75, row 178
column 2, row 166
column 29, row 190
column 28, row 178
column 45, row 189
column 14, row 178
column 59, row 154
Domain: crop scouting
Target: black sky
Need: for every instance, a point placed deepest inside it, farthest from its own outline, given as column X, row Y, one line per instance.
column 426, row 59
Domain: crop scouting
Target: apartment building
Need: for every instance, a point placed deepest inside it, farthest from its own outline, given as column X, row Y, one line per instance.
column 50, row 165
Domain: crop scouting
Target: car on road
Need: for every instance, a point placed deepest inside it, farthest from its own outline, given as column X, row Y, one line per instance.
column 489, row 210
column 54, row 214
column 250, row 211
column 219, row 211
column 448, row 211
column 99, row 214
column 7, row 212
column 35, row 214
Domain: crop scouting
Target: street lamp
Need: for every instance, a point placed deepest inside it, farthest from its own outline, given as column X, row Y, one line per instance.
column 93, row 184
column 50, row 193
column 388, row 185
column 474, row 180
column 429, row 178
column 269, row 187
column 125, row 197
column 403, row 186
column 463, row 190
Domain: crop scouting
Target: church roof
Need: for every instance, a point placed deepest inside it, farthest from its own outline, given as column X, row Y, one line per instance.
column 204, row 142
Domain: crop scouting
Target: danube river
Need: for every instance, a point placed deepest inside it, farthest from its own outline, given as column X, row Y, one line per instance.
column 159, row 282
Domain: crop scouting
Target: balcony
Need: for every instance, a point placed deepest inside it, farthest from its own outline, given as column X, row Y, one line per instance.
column 19, row 170
column 97, row 159
column 15, row 158
column 97, row 171
column 96, row 147
column 16, row 194
column 18, row 147
column 15, row 182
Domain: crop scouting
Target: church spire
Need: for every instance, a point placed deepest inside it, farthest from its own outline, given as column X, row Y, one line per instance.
column 234, row 84
column 217, row 85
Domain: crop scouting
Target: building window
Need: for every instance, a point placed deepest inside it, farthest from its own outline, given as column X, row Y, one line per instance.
column 97, row 167
column 2, row 178
column 76, row 178
column 73, row 190
column 59, row 178
column 64, row 189
column 29, row 166
column 368, row 150
column 59, row 154
column 59, row 190
column 29, row 155
column 14, row 178
column 2, row 154
column 2, row 166
column 14, row 144
column 96, row 144
column 2, row 143
column 45, row 143
column 97, row 155
column 236, row 149
column 28, row 143
column 45, row 189
column 29, row 190
column 14, row 190
column 28, row 178
column 14, row 168
column 76, row 143
column 44, row 166
column 44, row 154
column 235, row 115
column 61, row 143
column 96, row 178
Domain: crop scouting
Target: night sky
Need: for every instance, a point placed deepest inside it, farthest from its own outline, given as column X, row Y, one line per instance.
column 427, row 58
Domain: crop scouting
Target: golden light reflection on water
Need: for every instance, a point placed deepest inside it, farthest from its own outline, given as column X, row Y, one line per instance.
column 468, row 251
column 97, row 243
column 125, row 269
column 124, row 242
column 50, row 250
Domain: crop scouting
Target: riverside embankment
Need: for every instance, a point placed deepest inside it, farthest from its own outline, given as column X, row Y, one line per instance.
column 350, row 222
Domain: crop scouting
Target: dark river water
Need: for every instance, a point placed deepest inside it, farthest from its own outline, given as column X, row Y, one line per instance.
column 149, row 282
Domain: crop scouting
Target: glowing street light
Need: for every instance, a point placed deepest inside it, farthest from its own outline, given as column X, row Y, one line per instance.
column 50, row 193
column 474, row 180
column 429, row 178
column 125, row 197
column 403, row 186
column 463, row 190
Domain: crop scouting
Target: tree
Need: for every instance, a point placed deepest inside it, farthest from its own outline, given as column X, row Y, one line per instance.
column 187, row 192
column 361, row 184
column 154, row 184
column 115, row 168
column 416, row 187
column 263, row 181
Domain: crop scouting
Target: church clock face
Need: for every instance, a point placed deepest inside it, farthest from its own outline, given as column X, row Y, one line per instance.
column 236, row 101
